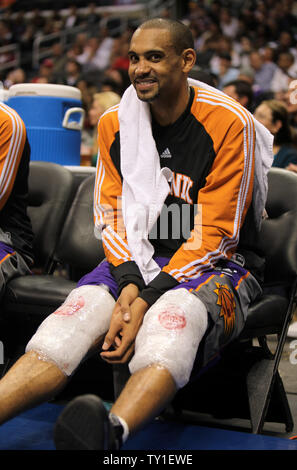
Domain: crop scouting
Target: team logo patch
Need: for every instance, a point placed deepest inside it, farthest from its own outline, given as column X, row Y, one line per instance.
column 227, row 303
column 172, row 318
column 70, row 307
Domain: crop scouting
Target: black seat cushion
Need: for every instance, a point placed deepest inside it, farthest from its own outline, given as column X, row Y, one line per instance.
column 265, row 316
column 36, row 294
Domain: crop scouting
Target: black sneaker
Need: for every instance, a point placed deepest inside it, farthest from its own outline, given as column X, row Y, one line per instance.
column 84, row 425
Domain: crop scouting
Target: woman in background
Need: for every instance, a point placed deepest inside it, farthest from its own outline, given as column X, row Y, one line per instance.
column 274, row 116
column 101, row 102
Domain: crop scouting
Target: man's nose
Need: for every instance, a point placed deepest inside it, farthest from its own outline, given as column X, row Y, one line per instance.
column 142, row 67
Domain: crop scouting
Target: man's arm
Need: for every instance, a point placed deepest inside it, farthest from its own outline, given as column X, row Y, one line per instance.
column 12, row 141
column 108, row 210
column 224, row 201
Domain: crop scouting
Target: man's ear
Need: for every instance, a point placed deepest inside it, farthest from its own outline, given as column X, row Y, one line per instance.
column 189, row 59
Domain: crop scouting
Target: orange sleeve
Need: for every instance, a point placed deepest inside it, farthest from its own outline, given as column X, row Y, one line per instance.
column 223, row 201
column 12, row 141
column 108, row 194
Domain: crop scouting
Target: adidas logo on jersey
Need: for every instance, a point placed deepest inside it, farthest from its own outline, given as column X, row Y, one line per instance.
column 166, row 153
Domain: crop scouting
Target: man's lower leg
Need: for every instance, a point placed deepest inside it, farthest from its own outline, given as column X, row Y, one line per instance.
column 29, row 382
column 145, row 395
column 85, row 423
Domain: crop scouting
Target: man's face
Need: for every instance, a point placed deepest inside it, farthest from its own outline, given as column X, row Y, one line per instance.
column 264, row 115
column 155, row 69
column 231, row 91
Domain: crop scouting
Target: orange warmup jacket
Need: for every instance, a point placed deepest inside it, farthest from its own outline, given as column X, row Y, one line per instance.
column 210, row 150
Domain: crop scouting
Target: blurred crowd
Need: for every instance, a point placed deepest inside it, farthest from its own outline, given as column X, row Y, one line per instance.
column 245, row 48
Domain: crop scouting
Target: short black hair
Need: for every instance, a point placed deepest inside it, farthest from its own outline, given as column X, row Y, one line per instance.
column 243, row 88
column 182, row 37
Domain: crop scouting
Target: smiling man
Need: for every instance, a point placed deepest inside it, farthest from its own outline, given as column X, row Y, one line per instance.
column 164, row 301
column 158, row 64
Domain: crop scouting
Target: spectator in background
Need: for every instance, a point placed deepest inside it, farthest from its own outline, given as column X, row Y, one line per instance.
column 59, row 60
column 228, row 24
column 289, row 98
column 73, row 18
column 244, row 48
column 226, row 72
column 274, row 116
column 263, row 72
column 120, row 59
column 286, row 43
column 246, row 74
column 5, row 34
column 37, row 20
column 203, row 76
column 14, row 77
column 92, row 18
column 207, row 52
column 18, row 26
column 116, row 80
column 268, row 54
column 241, row 91
column 224, row 45
column 286, row 68
column 72, row 73
column 44, row 73
column 101, row 102
column 96, row 53
column 26, row 44
column 87, row 57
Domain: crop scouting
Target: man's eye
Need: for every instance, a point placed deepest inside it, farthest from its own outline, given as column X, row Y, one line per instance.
column 133, row 59
column 155, row 57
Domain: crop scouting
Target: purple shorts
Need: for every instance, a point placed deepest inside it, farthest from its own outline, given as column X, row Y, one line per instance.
column 5, row 251
column 225, row 290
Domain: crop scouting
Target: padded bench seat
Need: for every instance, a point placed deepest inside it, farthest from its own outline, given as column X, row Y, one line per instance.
column 269, row 310
column 36, row 294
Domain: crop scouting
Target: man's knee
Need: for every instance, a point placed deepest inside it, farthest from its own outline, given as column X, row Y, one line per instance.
column 170, row 335
column 66, row 335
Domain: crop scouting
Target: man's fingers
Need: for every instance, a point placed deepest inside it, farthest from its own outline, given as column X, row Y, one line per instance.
column 117, row 341
column 125, row 311
column 119, row 354
column 110, row 337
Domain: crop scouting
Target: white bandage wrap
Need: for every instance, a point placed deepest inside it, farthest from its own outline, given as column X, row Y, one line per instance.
column 170, row 335
column 66, row 335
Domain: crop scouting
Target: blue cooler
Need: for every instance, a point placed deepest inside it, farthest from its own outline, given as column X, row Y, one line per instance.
column 54, row 119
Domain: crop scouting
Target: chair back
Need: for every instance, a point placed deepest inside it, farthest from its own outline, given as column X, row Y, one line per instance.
column 278, row 237
column 50, row 194
column 78, row 247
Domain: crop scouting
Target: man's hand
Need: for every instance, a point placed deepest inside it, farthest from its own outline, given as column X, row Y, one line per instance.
column 121, row 312
column 126, row 298
column 124, row 346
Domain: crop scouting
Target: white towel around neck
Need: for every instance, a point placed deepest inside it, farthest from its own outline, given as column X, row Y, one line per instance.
column 146, row 185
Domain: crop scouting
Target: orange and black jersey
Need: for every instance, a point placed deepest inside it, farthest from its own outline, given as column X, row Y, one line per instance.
column 210, row 150
column 14, row 168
